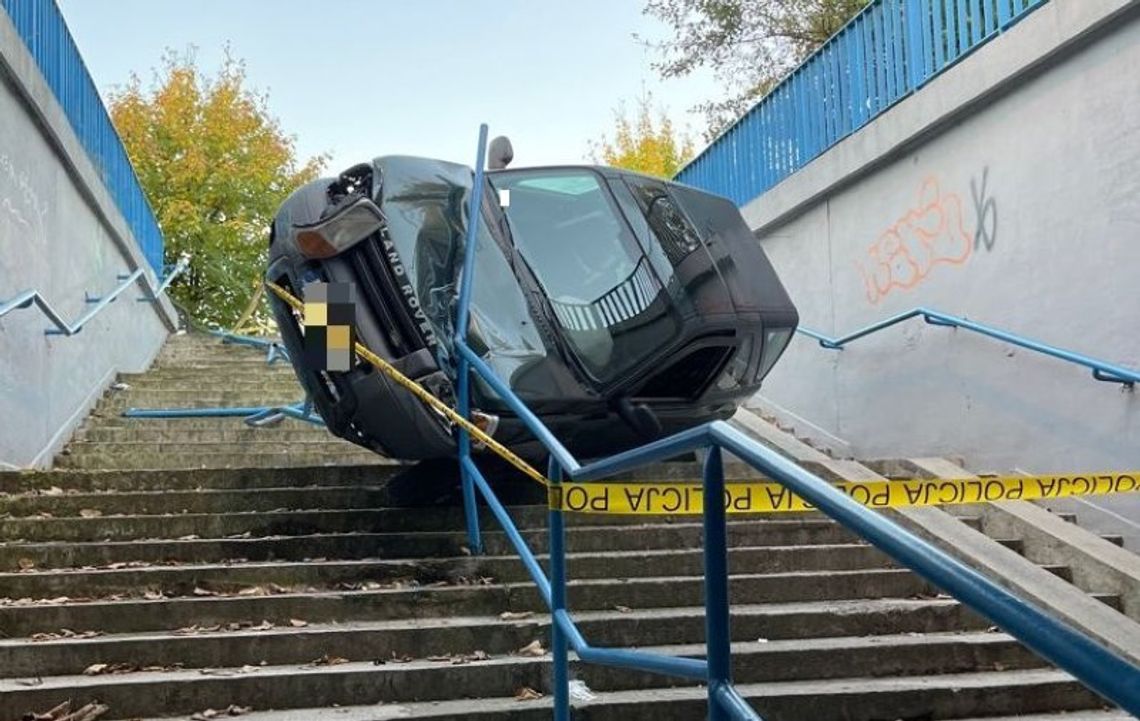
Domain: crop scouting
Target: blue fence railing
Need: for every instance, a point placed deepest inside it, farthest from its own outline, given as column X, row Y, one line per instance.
column 1101, row 370
column 1089, row 660
column 44, row 32
column 886, row 52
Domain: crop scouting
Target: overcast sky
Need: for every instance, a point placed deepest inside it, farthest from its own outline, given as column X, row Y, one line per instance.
column 360, row 78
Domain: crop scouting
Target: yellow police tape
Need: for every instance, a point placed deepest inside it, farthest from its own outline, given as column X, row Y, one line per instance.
column 420, row 392
column 757, row 497
column 767, row 497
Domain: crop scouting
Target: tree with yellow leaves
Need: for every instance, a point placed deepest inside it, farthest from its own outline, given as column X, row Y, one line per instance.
column 644, row 143
column 215, row 165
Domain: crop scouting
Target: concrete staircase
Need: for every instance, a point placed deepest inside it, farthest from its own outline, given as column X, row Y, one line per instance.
column 196, row 371
column 285, row 584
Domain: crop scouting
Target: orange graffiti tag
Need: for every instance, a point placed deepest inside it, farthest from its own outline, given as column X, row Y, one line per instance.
column 929, row 234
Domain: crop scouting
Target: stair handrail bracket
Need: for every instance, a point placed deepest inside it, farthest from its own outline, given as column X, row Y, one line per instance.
column 1101, row 370
column 1097, row 666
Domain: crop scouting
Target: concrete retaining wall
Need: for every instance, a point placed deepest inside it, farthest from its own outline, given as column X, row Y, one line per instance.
column 1006, row 191
column 60, row 234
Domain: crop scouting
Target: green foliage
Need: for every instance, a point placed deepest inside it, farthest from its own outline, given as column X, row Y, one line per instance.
column 643, row 143
column 748, row 44
column 215, row 165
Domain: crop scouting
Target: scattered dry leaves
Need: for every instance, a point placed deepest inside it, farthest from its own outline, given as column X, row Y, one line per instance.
column 526, row 693
column 231, row 710
column 534, row 649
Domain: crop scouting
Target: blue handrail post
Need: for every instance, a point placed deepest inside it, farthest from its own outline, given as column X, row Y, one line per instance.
column 716, row 584
column 559, row 648
column 463, row 367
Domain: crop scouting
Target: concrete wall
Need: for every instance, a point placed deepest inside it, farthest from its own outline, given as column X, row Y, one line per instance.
column 61, row 234
column 1007, row 191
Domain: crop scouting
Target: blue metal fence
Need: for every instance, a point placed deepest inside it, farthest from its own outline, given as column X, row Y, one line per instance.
column 43, row 30
column 886, row 52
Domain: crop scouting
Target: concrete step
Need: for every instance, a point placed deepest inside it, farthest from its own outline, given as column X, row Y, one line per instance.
column 789, row 531
column 140, row 432
column 115, row 480
column 595, row 539
column 193, row 399
column 580, row 539
column 142, row 460
column 194, row 501
column 403, row 599
column 115, row 420
column 186, row 578
column 924, row 696
column 239, row 643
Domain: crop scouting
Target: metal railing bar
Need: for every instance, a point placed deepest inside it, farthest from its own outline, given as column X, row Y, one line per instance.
column 679, row 666
column 559, row 636
column 558, row 451
column 463, row 371
column 717, row 636
column 28, row 298
column 730, row 700
column 504, row 518
column 1102, row 370
column 72, row 329
column 273, row 348
column 252, row 414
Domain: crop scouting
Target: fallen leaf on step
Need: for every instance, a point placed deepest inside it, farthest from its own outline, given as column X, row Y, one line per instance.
column 623, row 609
column 95, row 669
column 26, row 564
column 253, row 591
column 53, row 491
column 90, row 512
column 198, row 591
column 515, row 615
column 534, row 648
column 153, row 595
column 328, row 660
column 231, row 710
column 190, row 537
column 526, row 693
column 298, row 623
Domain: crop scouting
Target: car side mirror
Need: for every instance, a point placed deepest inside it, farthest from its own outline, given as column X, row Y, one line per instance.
column 500, row 154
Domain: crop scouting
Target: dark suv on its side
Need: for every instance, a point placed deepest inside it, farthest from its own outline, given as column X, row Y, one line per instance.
column 619, row 307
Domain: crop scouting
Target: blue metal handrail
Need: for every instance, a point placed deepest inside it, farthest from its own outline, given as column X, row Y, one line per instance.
column 273, row 349
column 1100, row 668
column 256, row 416
column 1101, row 370
column 28, row 298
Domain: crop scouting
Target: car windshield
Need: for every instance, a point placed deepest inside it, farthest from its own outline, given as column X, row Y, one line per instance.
column 605, row 294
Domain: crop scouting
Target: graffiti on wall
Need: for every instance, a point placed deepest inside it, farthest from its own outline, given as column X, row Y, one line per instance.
column 930, row 234
column 985, row 210
column 22, row 212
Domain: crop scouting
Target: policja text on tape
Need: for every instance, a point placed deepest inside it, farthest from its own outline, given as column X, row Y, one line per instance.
column 767, row 497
